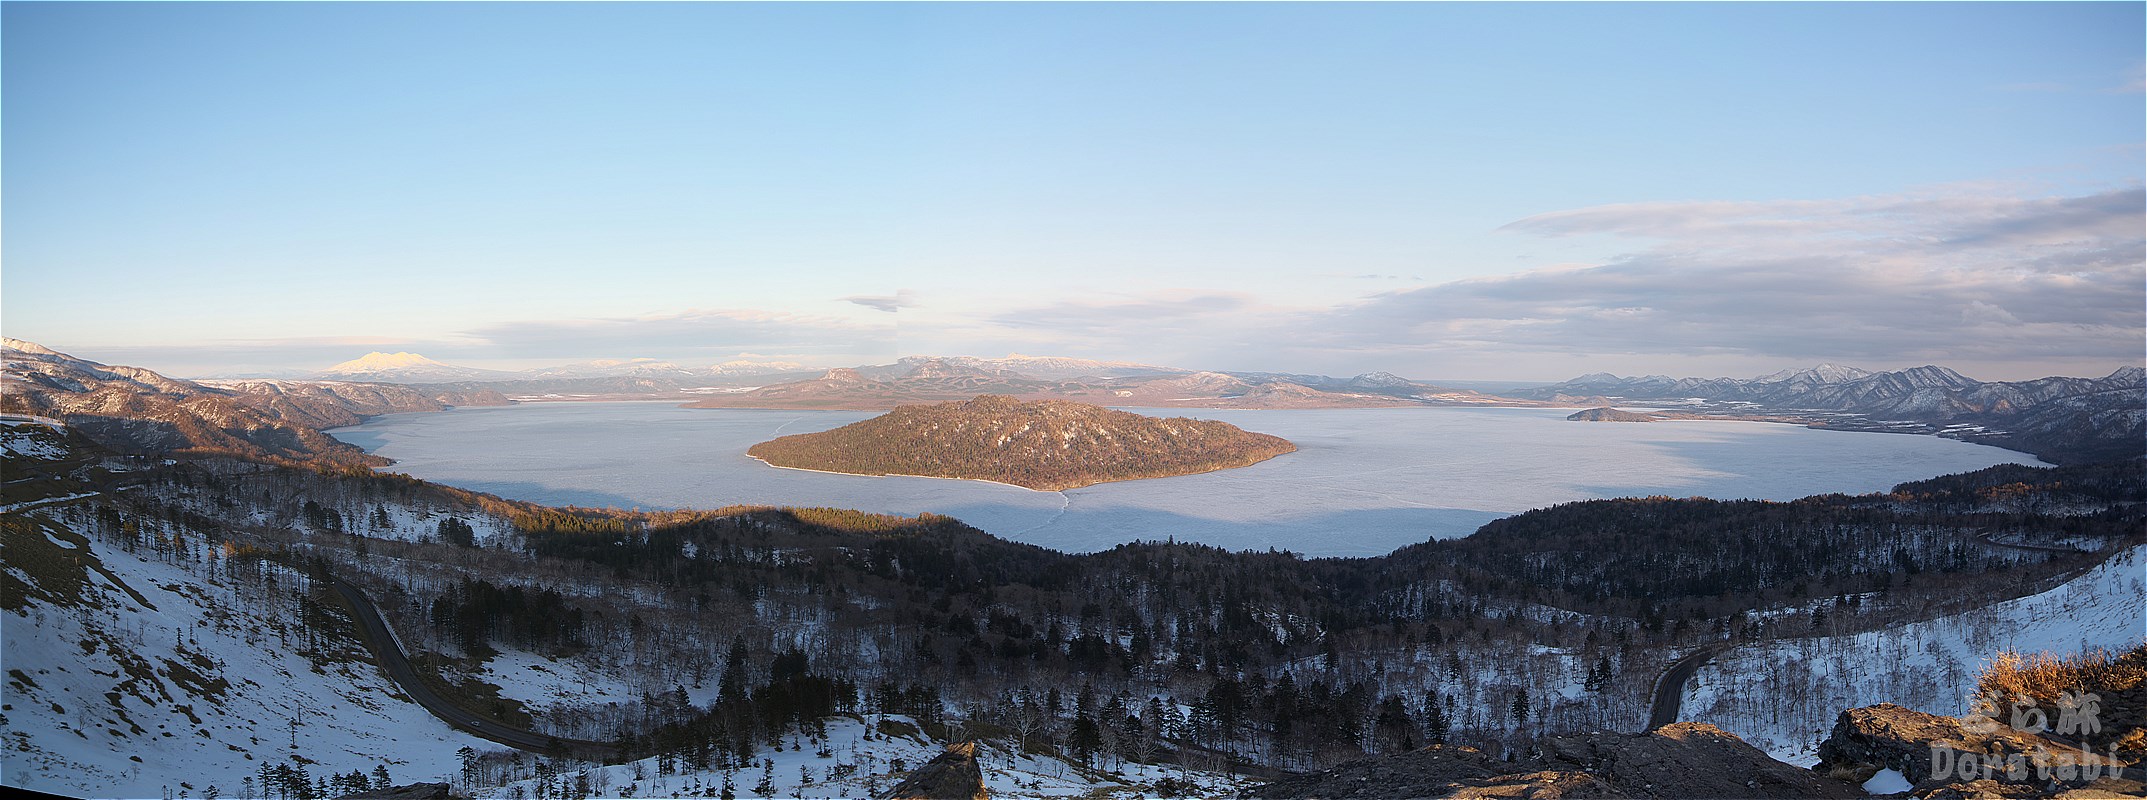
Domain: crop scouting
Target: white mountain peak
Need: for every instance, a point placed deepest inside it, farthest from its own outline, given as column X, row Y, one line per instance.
column 377, row 361
column 12, row 343
column 1823, row 373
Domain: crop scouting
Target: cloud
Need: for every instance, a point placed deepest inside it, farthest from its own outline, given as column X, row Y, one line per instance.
column 1971, row 277
column 1075, row 318
column 1954, row 277
column 901, row 299
column 687, row 332
column 1371, row 276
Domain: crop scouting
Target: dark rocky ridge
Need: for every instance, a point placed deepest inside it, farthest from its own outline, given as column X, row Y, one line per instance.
column 2001, row 761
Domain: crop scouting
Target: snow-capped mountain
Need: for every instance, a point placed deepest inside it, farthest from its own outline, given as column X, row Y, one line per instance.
column 612, row 367
column 669, row 376
column 1919, row 391
column 1057, row 368
column 1824, row 373
column 743, row 368
column 134, row 410
column 2056, row 417
column 404, row 368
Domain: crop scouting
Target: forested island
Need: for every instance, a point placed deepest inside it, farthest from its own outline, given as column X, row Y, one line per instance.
column 1608, row 414
column 1046, row 445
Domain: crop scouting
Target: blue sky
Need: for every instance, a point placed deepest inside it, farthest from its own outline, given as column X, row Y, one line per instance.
column 1500, row 191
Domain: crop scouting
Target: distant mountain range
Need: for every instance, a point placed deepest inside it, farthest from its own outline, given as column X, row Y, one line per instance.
column 414, row 368
column 2060, row 419
column 136, row 411
column 935, row 379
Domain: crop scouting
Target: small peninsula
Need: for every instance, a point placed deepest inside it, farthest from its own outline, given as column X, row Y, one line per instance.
column 1047, row 445
column 1608, row 414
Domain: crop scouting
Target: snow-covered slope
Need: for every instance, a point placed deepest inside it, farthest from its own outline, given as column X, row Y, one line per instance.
column 172, row 668
column 1784, row 696
column 858, row 757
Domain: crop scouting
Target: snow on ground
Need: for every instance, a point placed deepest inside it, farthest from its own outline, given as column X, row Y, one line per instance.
column 860, row 757
column 178, row 672
column 562, row 684
column 43, row 501
column 29, row 419
column 1888, row 781
column 418, row 523
column 31, row 440
column 199, row 682
column 1784, row 696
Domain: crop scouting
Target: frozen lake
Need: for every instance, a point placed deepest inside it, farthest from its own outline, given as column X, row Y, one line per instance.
column 1363, row 481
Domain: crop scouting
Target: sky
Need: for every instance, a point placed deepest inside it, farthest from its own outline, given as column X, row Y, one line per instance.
column 1494, row 191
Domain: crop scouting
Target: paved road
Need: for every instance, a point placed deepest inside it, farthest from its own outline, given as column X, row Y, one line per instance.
column 397, row 665
column 1663, row 709
column 2029, row 548
column 1665, row 706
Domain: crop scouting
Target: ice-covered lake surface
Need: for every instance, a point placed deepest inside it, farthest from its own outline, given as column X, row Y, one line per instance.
column 1363, row 481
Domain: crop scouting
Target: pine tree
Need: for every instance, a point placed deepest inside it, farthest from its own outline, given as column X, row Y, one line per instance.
column 1436, row 724
column 1598, row 675
column 733, row 685
column 1085, row 739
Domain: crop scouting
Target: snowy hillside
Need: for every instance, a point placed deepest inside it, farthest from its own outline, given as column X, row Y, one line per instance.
column 1783, row 696
column 143, row 662
column 171, row 668
column 857, row 757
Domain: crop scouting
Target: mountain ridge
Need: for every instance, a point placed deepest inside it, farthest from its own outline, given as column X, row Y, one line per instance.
column 138, row 411
column 2060, row 419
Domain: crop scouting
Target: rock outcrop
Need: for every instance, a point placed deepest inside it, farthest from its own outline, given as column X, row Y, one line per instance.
column 1944, row 757
column 954, row 775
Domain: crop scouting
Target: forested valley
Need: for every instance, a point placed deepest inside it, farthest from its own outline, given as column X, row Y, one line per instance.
column 1555, row 620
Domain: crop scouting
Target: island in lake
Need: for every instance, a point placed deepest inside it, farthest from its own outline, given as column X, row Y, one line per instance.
column 1608, row 414
column 1048, row 445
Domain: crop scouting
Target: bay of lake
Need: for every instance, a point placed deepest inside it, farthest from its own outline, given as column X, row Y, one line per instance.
column 1363, row 481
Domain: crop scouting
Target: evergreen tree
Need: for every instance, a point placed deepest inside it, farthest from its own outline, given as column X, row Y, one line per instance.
column 1598, row 675
column 1085, row 739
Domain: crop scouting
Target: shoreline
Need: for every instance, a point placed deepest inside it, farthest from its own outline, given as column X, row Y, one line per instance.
column 1059, row 492
column 931, row 477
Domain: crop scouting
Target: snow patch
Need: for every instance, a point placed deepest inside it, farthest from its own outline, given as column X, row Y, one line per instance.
column 1784, row 696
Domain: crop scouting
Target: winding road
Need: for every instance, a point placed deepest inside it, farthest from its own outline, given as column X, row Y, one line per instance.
column 1663, row 709
column 1665, row 706
column 389, row 653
